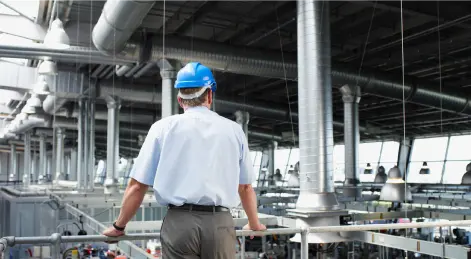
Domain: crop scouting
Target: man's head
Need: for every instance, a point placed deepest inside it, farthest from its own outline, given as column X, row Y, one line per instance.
column 196, row 85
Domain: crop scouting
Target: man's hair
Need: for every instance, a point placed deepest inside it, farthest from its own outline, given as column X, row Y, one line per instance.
column 198, row 101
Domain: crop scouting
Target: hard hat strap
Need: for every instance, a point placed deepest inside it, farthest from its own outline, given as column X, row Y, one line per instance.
column 193, row 95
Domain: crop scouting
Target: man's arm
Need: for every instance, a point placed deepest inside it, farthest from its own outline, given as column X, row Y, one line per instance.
column 142, row 176
column 132, row 200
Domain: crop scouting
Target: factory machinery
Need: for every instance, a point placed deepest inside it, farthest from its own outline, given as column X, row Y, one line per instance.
column 57, row 202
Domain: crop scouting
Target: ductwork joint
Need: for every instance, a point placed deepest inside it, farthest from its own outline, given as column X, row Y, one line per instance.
column 113, row 102
column 350, row 94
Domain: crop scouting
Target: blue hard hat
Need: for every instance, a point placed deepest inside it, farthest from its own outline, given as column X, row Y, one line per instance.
column 193, row 75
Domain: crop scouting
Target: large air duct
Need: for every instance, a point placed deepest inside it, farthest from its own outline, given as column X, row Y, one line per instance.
column 316, row 140
column 351, row 98
column 117, row 23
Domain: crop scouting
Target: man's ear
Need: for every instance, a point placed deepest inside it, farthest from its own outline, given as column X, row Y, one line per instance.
column 210, row 97
column 179, row 99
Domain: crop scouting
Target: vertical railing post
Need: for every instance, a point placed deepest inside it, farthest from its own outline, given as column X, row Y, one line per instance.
column 304, row 244
column 242, row 248
column 56, row 245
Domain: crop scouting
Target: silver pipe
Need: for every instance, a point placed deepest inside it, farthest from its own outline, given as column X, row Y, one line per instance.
column 316, row 139
column 13, row 163
column 80, row 140
column 121, row 70
column 27, row 160
column 351, row 98
column 133, row 70
column 111, row 32
column 112, row 146
column 144, row 69
column 91, row 158
column 60, row 135
column 34, row 167
column 304, row 245
column 42, row 155
column 52, row 104
column 271, row 158
column 242, row 118
column 170, row 105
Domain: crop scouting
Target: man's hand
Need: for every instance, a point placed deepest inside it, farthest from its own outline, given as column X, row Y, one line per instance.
column 255, row 227
column 112, row 232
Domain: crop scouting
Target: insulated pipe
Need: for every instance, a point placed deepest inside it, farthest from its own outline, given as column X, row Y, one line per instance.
column 242, row 118
column 112, row 147
column 351, row 98
column 316, row 139
column 27, row 160
column 60, row 135
column 168, row 73
column 13, row 163
column 52, row 104
column 112, row 30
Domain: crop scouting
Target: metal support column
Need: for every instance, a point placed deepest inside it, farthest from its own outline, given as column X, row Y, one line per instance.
column 351, row 98
column 27, row 160
column 304, row 245
column 13, row 163
column 168, row 74
column 112, row 147
column 60, row 135
column 86, row 143
column 242, row 118
column 91, row 153
column 42, row 156
column 271, row 162
column 80, row 140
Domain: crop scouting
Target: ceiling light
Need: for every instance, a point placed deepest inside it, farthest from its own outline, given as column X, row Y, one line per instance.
column 368, row 169
column 41, row 87
column 425, row 169
column 56, row 37
column 466, row 179
column 395, row 188
column 47, row 67
column 381, row 176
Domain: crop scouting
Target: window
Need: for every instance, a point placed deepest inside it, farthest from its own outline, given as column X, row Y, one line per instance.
column 432, row 151
column 369, row 153
column 458, row 157
column 27, row 7
column 256, row 160
column 339, row 163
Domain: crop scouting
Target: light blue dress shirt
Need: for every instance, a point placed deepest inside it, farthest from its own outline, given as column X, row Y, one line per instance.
column 197, row 157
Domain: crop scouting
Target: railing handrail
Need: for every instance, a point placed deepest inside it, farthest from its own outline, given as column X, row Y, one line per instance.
column 281, row 231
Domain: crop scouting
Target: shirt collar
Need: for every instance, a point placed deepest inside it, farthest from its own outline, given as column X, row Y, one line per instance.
column 197, row 109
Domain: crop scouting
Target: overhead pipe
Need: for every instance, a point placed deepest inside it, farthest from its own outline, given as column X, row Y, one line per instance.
column 254, row 62
column 112, row 30
column 316, row 140
column 127, row 116
column 53, row 103
column 33, row 121
column 351, row 98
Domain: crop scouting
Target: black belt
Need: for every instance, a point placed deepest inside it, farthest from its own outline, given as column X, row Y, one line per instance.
column 194, row 207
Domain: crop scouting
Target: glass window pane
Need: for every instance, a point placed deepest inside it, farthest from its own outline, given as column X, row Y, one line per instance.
column 281, row 159
column 429, row 149
column 28, row 7
column 339, row 163
column 434, row 176
column 454, row 171
column 368, row 177
column 458, row 149
column 369, row 152
column 390, row 152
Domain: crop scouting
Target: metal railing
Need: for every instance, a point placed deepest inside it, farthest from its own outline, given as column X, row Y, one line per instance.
column 56, row 239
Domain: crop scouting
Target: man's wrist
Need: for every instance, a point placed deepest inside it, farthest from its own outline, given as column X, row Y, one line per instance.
column 118, row 227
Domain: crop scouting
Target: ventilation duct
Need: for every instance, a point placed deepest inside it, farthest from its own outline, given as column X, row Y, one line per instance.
column 117, row 23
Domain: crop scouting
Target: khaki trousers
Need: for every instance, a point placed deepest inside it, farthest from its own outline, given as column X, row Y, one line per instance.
column 196, row 234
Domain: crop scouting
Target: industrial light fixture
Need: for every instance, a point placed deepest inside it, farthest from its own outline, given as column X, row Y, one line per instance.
column 47, row 68
column 22, row 116
column 41, row 87
column 368, row 169
column 56, row 37
column 425, row 169
column 395, row 188
column 466, row 179
column 381, row 176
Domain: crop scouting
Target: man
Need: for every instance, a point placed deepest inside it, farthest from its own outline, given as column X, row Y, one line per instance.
column 196, row 163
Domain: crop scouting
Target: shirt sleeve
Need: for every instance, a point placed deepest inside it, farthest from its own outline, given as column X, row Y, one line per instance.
column 145, row 165
column 246, row 169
